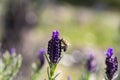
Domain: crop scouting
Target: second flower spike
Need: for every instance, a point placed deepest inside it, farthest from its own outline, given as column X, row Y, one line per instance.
column 111, row 65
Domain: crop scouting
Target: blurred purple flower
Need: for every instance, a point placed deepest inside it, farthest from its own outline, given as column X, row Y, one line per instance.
column 109, row 52
column 91, row 64
column 68, row 78
column 111, row 64
column 54, row 47
column 12, row 51
column 41, row 57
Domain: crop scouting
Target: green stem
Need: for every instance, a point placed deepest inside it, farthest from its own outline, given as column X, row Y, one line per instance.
column 52, row 71
column 52, row 67
column 47, row 60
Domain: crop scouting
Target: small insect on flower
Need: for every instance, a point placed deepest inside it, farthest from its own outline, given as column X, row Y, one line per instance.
column 64, row 45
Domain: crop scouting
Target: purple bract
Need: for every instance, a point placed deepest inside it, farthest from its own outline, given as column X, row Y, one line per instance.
column 109, row 52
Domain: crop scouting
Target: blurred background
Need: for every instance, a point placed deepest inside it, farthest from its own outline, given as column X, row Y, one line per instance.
column 88, row 26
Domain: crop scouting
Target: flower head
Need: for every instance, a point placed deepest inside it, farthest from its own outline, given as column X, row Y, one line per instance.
column 68, row 78
column 109, row 52
column 12, row 51
column 54, row 47
column 55, row 34
column 111, row 64
column 41, row 57
column 91, row 64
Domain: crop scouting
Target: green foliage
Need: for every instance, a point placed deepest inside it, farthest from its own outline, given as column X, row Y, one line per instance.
column 85, row 75
column 52, row 68
column 36, row 70
column 9, row 65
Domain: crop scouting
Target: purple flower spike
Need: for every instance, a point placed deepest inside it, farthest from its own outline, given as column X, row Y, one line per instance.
column 91, row 64
column 41, row 57
column 68, row 78
column 111, row 65
column 54, row 47
column 91, row 57
column 12, row 51
column 42, row 51
column 109, row 52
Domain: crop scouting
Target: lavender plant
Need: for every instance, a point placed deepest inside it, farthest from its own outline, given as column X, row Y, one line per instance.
column 111, row 65
column 91, row 64
column 91, row 68
column 38, row 65
column 9, row 65
column 68, row 78
column 41, row 58
column 55, row 47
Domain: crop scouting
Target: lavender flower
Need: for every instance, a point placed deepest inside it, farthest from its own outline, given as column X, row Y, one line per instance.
column 109, row 52
column 68, row 78
column 41, row 58
column 54, row 47
column 12, row 51
column 111, row 64
column 91, row 64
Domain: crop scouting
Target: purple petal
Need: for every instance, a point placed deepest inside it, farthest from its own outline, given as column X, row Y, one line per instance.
column 91, row 57
column 41, row 57
column 55, row 34
column 109, row 52
column 12, row 51
column 68, row 78
column 42, row 51
column 91, row 64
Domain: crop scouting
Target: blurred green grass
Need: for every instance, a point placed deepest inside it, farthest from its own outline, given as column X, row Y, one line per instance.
column 100, row 30
column 97, row 31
